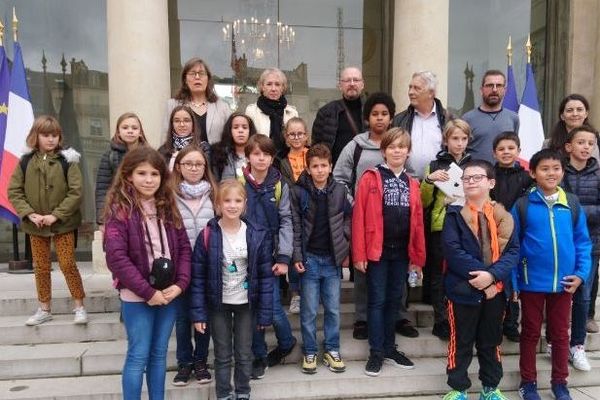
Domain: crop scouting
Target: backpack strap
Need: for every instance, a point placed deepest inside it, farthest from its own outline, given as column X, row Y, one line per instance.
column 573, row 202
column 25, row 158
column 205, row 236
column 522, row 204
column 278, row 192
column 355, row 159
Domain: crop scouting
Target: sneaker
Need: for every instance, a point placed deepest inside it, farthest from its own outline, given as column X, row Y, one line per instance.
column 309, row 364
column 578, row 358
column 455, row 395
column 81, row 317
column 488, row 393
column 373, row 367
column 398, row 359
column 561, row 392
column 591, row 326
column 201, row 373
column 259, row 366
column 333, row 360
column 549, row 349
column 277, row 355
column 184, row 373
column 406, row 329
column 512, row 333
column 360, row 331
column 441, row 330
column 295, row 305
column 39, row 317
column 528, row 391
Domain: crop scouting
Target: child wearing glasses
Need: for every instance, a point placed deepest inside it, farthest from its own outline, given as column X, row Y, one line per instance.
column 194, row 189
column 480, row 250
column 182, row 132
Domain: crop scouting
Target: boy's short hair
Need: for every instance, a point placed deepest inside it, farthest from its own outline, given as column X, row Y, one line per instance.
column 379, row 98
column 582, row 128
column 459, row 124
column 264, row 143
column 393, row 134
column 319, row 150
column 545, row 154
column 507, row 135
column 483, row 164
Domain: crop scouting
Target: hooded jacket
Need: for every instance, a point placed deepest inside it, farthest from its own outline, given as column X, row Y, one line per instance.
column 109, row 163
column 511, row 183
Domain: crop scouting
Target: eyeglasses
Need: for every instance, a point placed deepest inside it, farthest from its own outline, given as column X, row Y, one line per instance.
column 475, row 178
column 494, row 86
column 197, row 74
column 182, row 121
column 351, row 80
column 190, row 166
column 296, row 135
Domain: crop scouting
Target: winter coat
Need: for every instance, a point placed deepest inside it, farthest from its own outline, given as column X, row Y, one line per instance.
column 207, row 281
column 367, row 220
column 551, row 247
column 339, row 210
column 586, row 185
column 195, row 222
column 462, row 252
column 511, row 183
column 405, row 118
column 325, row 126
column 217, row 114
column 127, row 258
column 228, row 171
column 282, row 163
column 44, row 190
column 262, row 121
column 107, row 169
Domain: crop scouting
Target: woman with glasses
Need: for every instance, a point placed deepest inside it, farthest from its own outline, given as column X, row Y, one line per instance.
column 197, row 91
column 271, row 111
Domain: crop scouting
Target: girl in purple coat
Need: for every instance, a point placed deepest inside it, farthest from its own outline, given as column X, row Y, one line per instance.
column 148, row 253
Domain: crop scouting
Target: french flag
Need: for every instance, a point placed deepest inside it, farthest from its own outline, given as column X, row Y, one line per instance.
column 531, row 130
column 510, row 97
column 18, row 124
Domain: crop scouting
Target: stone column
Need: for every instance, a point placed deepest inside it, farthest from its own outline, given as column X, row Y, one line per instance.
column 420, row 43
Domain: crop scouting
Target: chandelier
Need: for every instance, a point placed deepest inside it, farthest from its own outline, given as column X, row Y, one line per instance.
column 256, row 37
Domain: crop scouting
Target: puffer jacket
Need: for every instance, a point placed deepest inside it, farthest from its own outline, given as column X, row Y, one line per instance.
column 195, row 222
column 325, row 126
column 207, row 281
column 44, row 190
column 109, row 163
column 511, row 183
column 586, row 185
column 339, row 210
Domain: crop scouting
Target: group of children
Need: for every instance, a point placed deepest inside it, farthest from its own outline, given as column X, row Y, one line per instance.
column 203, row 257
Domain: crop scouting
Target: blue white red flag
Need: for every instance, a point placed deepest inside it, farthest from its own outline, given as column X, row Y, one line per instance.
column 531, row 130
column 510, row 96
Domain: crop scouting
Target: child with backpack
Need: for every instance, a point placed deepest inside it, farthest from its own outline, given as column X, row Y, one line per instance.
column 321, row 212
column 46, row 192
column 228, row 157
column 555, row 259
column 268, row 205
column 232, row 288
column 456, row 136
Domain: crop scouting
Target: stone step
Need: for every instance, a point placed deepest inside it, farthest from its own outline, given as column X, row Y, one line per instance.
column 287, row 382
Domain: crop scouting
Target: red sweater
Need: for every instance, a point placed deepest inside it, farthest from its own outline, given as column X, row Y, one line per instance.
column 367, row 220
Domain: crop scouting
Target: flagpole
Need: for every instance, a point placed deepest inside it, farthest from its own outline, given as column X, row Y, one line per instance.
column 15, row 24
column 1, row 34
column 509, row 50
column 528, row 48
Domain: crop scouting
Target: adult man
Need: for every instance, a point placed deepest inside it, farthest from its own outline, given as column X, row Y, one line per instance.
column 490, row 119
column 338, row 121
column 424, row 119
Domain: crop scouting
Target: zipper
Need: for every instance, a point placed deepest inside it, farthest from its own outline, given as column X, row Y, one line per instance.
column 554, row 249
column 525, row 274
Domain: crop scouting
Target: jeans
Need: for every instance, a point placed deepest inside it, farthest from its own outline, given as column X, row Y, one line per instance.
column 386, row 280
column 148, row 330
column 281, row 325
column 581, row 305
column 186, row 353
column 232, row 328
column 321, row 280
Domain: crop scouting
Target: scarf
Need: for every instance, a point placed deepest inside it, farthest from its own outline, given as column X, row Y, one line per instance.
column 191, row 191
column 181, row 142
column 274, row 109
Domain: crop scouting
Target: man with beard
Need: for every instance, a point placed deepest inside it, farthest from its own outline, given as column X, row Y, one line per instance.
column 490, row 119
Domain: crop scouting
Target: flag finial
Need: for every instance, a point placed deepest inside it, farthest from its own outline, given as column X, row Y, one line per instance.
column 529, row 48
column 15, row 25
column 1, row 34
column 509, row 50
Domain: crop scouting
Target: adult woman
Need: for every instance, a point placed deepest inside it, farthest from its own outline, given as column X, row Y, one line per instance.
column 271, row 111
column 572, row 113
column 197, row 91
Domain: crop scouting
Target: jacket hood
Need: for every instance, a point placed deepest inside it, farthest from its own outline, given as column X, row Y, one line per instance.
column 363, row 141
column 305, row 181
column 515, row 169
column 590, row 167
column 120, row 147
column 273, row 175
column 443, row 155
column 71, row 155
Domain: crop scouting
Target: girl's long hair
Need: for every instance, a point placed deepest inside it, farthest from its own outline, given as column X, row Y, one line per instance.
column 177, row 177
column 117, row 139
column 166, row 149
column 220, row 151
column 122, row 198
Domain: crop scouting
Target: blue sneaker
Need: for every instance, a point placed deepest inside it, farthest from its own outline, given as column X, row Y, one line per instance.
column 528, row 391
column 489, row 393
column 456, row 395
column 561, row 392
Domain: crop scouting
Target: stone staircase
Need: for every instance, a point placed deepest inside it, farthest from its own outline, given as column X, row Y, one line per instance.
column 59, row 360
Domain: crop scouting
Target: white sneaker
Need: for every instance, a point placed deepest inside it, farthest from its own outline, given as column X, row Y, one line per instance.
column 549, row 349
column 81, row 317
column 295, row 305
column 39, row 317
column 578, row 358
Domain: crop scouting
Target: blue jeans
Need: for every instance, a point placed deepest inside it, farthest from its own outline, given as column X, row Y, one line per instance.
column 385, row 285
column 186, row 353
column 581, row 305
column 148, row 331
column 281, row 325
column 320, row 280
column 232, row 327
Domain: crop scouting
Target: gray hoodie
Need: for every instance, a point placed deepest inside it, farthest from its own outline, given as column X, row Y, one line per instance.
column 369, row 158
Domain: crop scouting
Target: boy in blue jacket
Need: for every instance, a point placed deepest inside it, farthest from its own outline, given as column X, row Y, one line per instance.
column 481, row 249
column 554, row 261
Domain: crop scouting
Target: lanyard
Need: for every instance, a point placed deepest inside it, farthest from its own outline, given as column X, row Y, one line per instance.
column 162, row 245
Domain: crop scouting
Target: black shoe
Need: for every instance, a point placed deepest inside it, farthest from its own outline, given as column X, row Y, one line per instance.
column 374, row 364
column 182, row 378
column 398, row 359
column 278, row 355
column 201, row 373
column 441, row 330
column 512, row 333
column 361, row 330
column 406, row 329
column 259, row 366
